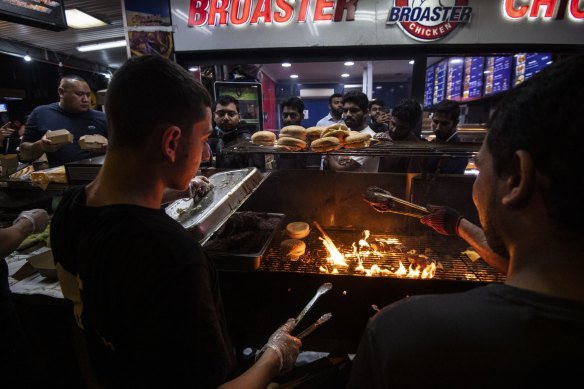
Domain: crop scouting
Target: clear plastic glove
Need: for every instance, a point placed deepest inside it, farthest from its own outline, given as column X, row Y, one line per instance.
column 199, row 187
column 383, row 136
column 443, row 220
column 38, row 217
column 285, row 345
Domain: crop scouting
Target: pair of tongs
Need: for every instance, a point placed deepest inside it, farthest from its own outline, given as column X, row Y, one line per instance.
column 384, row 201
column 323, row 319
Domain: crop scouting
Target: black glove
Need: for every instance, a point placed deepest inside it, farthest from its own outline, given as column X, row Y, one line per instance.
column 443, row 220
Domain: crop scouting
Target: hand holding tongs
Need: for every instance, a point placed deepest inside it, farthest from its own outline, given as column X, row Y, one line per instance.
column 321, row 320
column 383, row 201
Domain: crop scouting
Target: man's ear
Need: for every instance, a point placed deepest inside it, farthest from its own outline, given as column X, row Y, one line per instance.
column 61, row 91
column 521, row 182
column 170, row 142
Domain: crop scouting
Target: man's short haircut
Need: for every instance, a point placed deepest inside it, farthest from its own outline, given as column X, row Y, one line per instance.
column 295, row 103
column 543, row 117
column 378, row 102
column 148, row 94
column 358, row 98
column 333, row 96
column 69, row 78
column 226, row 100
column 410, row 111
column 450, row 108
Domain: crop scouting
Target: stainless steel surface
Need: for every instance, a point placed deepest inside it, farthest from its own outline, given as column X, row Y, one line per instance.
column 321, row 320
column 230, row 190
column 321, row 290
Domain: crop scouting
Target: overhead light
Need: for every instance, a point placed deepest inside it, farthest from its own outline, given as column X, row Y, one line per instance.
column 294, row 76
column 102, row 45
column 378, row 87
column 79, row 19
column 351, row 86
column 286, row 64
column 345, row 75
column 194, row 69
column 412, row 62
column 349, row 63
column 27, row 58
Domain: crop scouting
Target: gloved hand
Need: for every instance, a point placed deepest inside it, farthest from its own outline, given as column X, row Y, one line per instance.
column 443, row 220
column 39, row 219
column 285, row 345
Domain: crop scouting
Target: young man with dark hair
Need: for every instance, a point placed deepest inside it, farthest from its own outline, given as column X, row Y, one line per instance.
column 355, row 112
column 145, row 295
column 379, row 118
column 335, row 115
column 526, row 332
column 73, row 113
column 292, row 112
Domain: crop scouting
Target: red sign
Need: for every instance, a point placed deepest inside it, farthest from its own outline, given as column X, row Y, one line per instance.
column 241, row 12
column 429, row 20
column 551, row 9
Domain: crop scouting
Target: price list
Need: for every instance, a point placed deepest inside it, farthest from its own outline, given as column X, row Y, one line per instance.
column 439, row 82
column 454, row 81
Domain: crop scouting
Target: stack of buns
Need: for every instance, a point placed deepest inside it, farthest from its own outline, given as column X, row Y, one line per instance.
column 292, row 138
column 263, row 138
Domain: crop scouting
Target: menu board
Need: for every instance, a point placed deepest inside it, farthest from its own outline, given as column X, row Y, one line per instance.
column 473, row 78
column 454, row 79
column 528, row 64
column 439, row 81
column 497, row 74
column 47, row 14
column 429, row 91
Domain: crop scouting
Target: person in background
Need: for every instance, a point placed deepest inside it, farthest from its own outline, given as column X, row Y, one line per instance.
column 444, row 127
column 380, row 119
column 355, row 112
column 73, row 113
column 526, row 332
column 405, row 118
column 150, row 306
column 293, row 115
column 229, row 130
column 9, row 138
column 335, row 115
column 14, row 353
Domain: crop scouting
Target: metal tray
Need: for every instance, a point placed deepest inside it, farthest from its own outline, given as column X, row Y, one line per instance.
column 245, row 261
column 231, row 189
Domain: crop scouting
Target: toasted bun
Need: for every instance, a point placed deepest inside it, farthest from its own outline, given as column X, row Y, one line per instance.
column 314, row 132
column 297, row 230
column 338, row 126
column 357, row 141
column 292, row 248
column 291, row 144
column 265, row 138
column 325, row 144
column 298, row 132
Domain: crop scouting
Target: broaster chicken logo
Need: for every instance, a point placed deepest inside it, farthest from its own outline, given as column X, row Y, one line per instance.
column 429, row 20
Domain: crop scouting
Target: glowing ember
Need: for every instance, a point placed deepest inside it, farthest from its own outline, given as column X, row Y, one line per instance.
column 380, row 250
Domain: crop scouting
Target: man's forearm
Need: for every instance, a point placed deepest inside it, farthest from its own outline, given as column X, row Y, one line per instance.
column 29, row 151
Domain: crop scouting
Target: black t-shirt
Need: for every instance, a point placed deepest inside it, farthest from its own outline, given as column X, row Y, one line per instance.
column 495, row 336
column 145, row 294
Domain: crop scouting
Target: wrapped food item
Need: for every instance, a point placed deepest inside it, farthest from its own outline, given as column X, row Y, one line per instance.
column 59, row 136
column 90, row 142
column 42, row 178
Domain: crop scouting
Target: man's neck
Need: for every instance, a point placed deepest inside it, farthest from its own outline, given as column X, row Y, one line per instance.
column 335, row 116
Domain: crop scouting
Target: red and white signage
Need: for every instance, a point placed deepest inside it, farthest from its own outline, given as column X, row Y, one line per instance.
column 543, row 9
column 429, row 20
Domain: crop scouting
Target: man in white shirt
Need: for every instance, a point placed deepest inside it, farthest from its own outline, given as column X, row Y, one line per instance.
column 336, row 111
column 355, row 113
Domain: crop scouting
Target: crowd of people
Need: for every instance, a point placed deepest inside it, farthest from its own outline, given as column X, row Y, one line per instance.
column 167, row 327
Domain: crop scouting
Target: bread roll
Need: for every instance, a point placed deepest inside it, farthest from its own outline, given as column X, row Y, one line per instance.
column 313, row 133
column 357, row 141
column 325, row 144
column 263, row 138
column 291, row 144
column 292, row 248
column 297, row 230
column 297, row 132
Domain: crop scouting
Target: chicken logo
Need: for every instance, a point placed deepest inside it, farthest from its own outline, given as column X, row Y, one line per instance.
column 429, row 20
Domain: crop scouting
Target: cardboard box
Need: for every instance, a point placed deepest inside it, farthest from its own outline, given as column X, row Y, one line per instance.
column 8, row 164
column 42, row 261
column 88, row 142
column 59, row 136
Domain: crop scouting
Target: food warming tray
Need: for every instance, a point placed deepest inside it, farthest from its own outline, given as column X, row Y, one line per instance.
column 230, row 189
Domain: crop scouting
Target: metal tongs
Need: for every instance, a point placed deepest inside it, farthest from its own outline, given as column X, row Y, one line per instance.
column 384, row 201
column 323, row 319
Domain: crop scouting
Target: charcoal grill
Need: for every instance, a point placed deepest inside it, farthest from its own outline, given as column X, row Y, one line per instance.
column 258, row 302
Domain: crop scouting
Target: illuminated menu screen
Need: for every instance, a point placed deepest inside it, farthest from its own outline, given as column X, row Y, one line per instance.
column 473, row 78
column 454, row 80
column 429, row 92
column 528, row 64
column 439, row 82
column 497, row 75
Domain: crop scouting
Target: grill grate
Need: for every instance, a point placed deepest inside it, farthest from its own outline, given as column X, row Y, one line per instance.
column 445, row 251
column 420, row 149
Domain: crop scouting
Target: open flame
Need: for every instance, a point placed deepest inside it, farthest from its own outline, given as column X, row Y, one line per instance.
column 420, row 267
